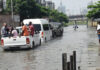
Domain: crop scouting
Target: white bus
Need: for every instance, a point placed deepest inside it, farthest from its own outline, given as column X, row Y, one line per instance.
column 43, row 26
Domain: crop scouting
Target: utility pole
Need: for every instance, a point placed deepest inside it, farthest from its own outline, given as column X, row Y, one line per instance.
column 12, row 14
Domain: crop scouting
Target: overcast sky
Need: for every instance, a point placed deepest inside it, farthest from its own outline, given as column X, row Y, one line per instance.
column 73, row 6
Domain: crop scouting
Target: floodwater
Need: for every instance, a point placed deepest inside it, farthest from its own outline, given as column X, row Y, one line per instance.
column 49, row 56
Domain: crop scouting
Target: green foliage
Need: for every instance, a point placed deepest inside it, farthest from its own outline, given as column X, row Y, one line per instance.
column 94, row 11
column 57, row 16
column 30, row 9
column 16, row 4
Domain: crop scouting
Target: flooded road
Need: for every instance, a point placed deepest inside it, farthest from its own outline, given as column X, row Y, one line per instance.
column 49, row 56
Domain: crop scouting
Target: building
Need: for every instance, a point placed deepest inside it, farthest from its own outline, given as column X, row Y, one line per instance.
column 41, row 2
column 1, row 5
column 50, row 5
column 4, row 4
column 62, row 8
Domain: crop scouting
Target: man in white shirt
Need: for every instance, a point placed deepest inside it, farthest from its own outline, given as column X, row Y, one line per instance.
column 98, row 30
column 3, row 30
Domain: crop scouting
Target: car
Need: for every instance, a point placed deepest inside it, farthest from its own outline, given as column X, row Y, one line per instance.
column 41, row 25
column 57, row 29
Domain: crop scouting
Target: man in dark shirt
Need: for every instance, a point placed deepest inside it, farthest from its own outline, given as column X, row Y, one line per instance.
column 31, row 29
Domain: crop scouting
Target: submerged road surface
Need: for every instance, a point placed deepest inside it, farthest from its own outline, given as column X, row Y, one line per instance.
column 49, row 56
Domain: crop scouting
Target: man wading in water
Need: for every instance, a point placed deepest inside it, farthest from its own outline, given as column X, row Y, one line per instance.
column 98, row 31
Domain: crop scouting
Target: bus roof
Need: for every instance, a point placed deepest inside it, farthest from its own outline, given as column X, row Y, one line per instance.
column 35, row 21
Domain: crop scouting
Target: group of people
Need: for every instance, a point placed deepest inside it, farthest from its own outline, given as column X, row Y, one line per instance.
column 9, row 31
column 27, row 30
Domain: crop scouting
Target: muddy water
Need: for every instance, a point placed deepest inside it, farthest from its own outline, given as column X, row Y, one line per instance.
column 49, row 56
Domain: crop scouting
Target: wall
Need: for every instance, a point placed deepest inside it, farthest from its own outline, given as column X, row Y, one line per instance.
column 92, row 23
column 7, row 19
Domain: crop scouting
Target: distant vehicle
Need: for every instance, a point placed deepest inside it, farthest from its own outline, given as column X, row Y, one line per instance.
column 57, row 29
column 41, row 25
column 20, row 41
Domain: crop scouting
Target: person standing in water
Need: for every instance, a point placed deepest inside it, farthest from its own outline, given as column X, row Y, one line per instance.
column 98, row 30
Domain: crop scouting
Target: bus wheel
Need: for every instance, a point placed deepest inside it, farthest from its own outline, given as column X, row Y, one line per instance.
column 33, row 45
column 40, row 43
column 45, row 40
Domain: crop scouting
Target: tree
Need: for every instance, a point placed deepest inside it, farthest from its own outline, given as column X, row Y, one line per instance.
column 26, row 9
column 30, row 9
column 16, row 4
column 59, row 17
column 94, row 11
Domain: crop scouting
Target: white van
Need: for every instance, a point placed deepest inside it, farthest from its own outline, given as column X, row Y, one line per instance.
column 41, row 25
